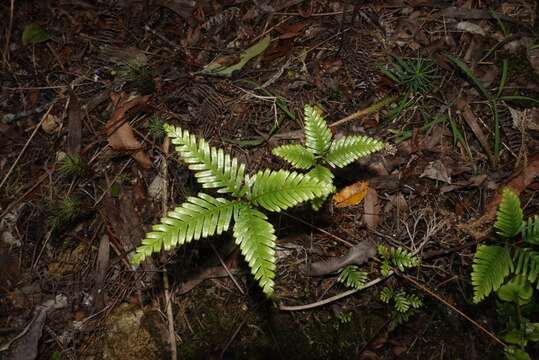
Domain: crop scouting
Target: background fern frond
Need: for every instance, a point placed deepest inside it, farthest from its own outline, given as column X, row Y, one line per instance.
column 530, row 233
column 352, row 277
column 196, row 218
column 323, row 174
column 398, row 257
column 527, row 263
column 350, row 148
column 491, row 265
column 402, row 304
column 386, row 294
column 297, row 155
column 317, row 134
column 279, row 190
column 256, row 239
column 509, row 218
column 213, row 168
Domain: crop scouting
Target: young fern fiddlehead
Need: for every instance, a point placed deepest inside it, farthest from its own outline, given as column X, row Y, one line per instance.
column 204, row 215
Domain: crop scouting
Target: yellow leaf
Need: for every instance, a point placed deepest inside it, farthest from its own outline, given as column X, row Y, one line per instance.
column 351, row 195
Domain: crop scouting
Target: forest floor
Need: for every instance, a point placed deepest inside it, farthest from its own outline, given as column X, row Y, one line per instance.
column 85, row 170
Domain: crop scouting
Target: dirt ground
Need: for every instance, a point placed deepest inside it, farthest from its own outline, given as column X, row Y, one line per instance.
column 85, row 170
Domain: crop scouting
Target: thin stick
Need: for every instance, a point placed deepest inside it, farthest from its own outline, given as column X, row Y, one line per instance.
column 227, row 270
column 319, row 229
column 373, row 108
column 26, row 146
column 440, row 299
column 8, row 34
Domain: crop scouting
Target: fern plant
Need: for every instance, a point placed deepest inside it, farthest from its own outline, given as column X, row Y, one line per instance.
column 404, row 304
column 398, row 258
column 205, row 215
column 352, row 277
column 492, row 265
column 321, row 152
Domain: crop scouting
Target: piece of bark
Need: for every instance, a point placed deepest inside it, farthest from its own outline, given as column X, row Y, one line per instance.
column 357, row 255
column 103, row 257
column 74, row 126
column 371, row 217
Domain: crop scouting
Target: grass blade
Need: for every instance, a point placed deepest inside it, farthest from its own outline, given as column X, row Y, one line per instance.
column 469, row 73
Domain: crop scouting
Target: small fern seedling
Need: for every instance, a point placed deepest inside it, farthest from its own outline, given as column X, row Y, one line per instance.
column 321, row 152
column 352, row 277
column 404, row 304
column 242, row 198
column 398, row 258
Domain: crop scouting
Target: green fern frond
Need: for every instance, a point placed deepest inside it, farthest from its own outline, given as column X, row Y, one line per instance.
column 402, row 304
column 317, row 134
column 398, row 257
column 350, row 148
column 323, row 174
column 509, row 218
column 279, row 190
column 530, row 233
column 386, row 294
column 491, row 265
column 352, row 277
column 415, row 301
column 297, row 155
column 256, row 239
column 214, row 168
column 527, row 263
column 198, row 217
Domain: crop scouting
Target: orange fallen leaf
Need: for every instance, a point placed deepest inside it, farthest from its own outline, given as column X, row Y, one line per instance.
column 351, row 195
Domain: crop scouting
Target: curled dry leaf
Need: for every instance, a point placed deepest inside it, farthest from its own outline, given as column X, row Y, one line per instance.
column 351, row 195
column 357, row 255
column 120, row 134
column 371, row 217
column 436, row 170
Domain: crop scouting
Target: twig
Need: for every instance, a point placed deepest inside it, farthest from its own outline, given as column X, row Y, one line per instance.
column 319, row 229
column 377, row 106
column 440, row 299
column 8, row 33
column 227, row 270
column 26, row 146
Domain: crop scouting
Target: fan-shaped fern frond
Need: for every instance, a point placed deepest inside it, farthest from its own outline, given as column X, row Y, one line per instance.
column 398, row 257
column 214, row 168
column 256, row 239
column 196, row 218
column 530, row 233
column 527, row 263
column 386, row 294
column 491, row 264
column 323, row 174
column 509, row 218
column 279, row 190
column 297, row 155
column 317, row 134
column 350, row 148
column 352, row 277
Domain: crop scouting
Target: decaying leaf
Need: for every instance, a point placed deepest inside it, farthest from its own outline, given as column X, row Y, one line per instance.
column 34, row 34
column 120, row 134
column 351, row 195
column 436, row 170
column 357, row 255
column 371, row 217
column 51, row 124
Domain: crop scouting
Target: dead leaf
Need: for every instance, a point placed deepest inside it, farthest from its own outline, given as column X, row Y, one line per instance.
column 436, row 170
column 120, row 134
column 371, row 217
column 357, row 255
column 471, row 28
column 351, row 195
column 50, row 124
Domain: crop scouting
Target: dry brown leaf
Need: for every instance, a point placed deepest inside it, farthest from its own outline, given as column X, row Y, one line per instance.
column 436, row 170
column 351, row 195
column 120, row 135
column 371, row 217
column 51, row 124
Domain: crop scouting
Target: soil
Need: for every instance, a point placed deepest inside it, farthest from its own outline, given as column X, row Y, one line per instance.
column 84, row 165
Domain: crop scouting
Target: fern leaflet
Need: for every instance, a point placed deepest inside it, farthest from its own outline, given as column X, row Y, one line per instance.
column 196, row 218
column 490, row 267
column 527, row 263
column 297, row 155
column 317, row 134
column 323, row 174
column 397, row 257
column 530, row 233
column 402, row 304
column 352, row 277
column 350, row 148
column 256, row 239
column 279, row 190
column 214, row 168
column 509, row 218
column 386, row 294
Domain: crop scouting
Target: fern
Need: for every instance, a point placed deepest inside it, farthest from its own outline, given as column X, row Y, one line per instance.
column 317, row 134
column 350, row 148
column 256, row 238
column 491, row 265
column 397, row 257
column 197, row 218
column 527, row 263
column 279, row 190
column 530, row 233
column 352, row 277
column 509, row 218
column 214, row 168
column 401, row 302
column 297, row 155
column 386, row 294
column 325, row 175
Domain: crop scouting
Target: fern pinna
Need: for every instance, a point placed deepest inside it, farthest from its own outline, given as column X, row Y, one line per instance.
column 321, row 150
column 204, row 215
column 493, row 263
